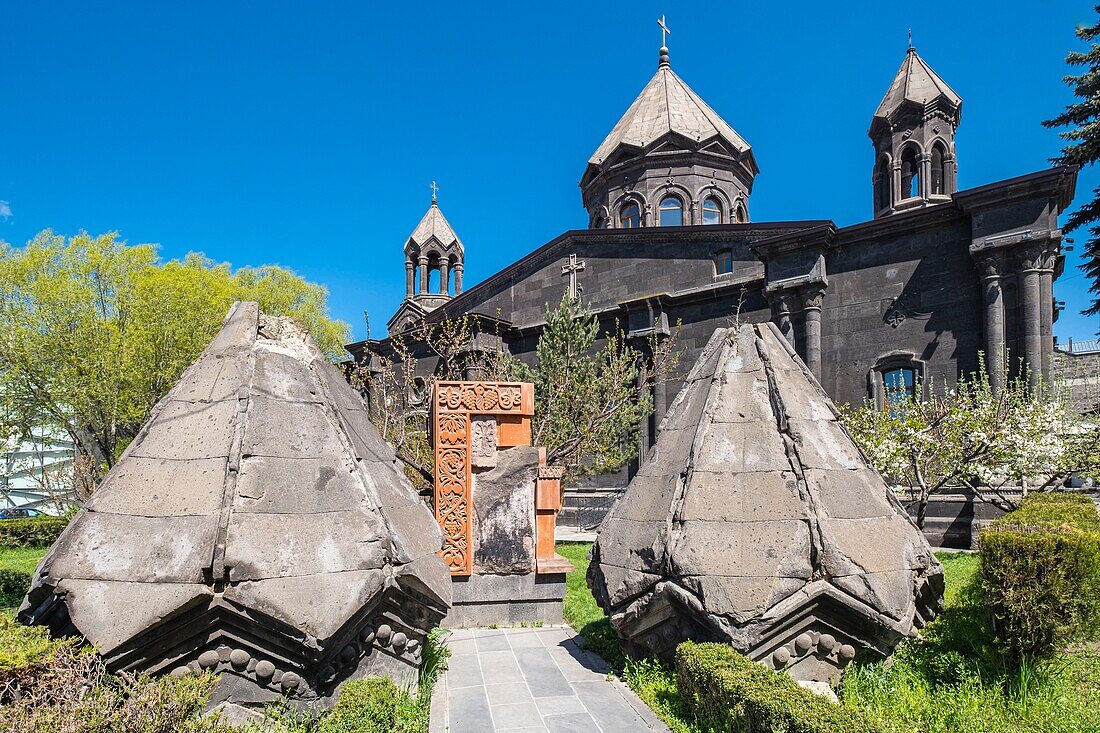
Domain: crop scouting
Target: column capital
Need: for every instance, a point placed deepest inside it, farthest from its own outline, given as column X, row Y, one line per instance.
column 992, row 265
column 812, row 296
column 1031, row 257
column 423, row 260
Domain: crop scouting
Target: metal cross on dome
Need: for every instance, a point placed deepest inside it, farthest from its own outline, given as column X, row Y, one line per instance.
column 571, row 270
column 435, row 191
column 664, row 29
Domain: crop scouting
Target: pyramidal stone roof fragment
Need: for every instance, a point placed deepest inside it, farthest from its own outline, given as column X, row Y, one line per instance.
column 258, row 526
column 757, row 521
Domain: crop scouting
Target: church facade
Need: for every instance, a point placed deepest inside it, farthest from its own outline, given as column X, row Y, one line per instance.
column 916, row 294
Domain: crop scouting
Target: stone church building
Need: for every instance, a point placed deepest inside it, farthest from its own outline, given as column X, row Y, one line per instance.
column 911, row 295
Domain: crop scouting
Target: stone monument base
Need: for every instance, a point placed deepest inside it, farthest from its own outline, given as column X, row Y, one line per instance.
column 506, row 600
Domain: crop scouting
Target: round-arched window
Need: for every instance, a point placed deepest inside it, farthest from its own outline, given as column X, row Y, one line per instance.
column 630, row 216
column 939, row 170
column 671, row 212
column 739, row 215
column 910, row 173
column 712, row 210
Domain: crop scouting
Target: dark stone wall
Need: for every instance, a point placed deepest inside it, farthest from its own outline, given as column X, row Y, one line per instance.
column 916, row 293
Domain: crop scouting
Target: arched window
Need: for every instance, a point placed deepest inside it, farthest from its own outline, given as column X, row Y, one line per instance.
column 712, row 210
column 739, row 215
column 939, row 170
column 671, row 212
column 630, row 216
column 910, row 174
column 723, row 262
column 895, row 381
column 882, row 185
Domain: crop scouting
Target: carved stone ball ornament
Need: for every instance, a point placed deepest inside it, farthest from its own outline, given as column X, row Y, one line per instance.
column 756, row 521
column 258, row 527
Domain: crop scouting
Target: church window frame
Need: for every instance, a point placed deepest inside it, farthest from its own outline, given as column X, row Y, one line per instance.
column 712, row 210
column 740, row 213
column 911, row 172
column 723, row 262
column 671, row 206
column 882, row 184
column 630, row 215
column 895, row 381
column 938, row 179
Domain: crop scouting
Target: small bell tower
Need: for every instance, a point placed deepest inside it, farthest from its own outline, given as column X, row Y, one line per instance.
column 913, row 131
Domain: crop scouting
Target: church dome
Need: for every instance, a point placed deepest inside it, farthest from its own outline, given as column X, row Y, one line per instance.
column 694, row 156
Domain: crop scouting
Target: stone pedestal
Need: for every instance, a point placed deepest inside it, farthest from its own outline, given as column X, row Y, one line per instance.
column 506, row 600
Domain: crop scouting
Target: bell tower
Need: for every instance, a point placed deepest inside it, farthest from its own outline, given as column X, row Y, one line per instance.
column 433, row 253
column 913, row 131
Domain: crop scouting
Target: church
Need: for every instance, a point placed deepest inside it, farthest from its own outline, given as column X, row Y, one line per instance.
column 915, row 294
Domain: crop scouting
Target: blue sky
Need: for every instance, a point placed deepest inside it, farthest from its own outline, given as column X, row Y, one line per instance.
column 306, row 134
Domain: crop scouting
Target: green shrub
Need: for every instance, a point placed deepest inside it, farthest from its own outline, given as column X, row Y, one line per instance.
column 1040, row 570
column 14, row 583
column 32, row 532
column 726, row 691
column 365, row 706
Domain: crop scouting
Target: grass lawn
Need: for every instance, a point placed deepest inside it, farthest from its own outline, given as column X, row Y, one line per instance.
column 949, row 681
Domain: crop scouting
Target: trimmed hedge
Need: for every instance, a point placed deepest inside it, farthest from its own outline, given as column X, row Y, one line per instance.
column 31, row 532
column 1041, row 573
column 726, row 691
column 14, row 583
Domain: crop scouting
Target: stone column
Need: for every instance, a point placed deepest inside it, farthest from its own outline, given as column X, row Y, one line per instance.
column 444, row 275
column 410, row 277
column 423, row 275
column 811, row 315
column 458, row 278
column 781, row 314
column 925, row 162
column 1031, row 318
column 991, row 268
column 1046, row 308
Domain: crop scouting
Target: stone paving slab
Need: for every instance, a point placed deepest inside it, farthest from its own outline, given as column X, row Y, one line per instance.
column 536, row 679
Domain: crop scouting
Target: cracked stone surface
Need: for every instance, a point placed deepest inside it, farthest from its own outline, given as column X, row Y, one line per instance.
column 258, row 526
column 756, row 520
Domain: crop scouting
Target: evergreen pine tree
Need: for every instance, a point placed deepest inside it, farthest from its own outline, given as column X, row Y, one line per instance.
column 1083, row 146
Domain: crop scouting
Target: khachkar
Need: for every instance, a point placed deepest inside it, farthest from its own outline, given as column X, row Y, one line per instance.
column 758, row 521
column 496, row 501
column 259, row 527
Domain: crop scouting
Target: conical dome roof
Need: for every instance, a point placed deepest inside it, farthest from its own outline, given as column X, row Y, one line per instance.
column 667, row 105
column 917, row 83
column 258, row 526
column 757, row 521
column 433, row 225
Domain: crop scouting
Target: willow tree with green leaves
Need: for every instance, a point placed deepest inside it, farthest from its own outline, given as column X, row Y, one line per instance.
column 1082, row 148
column 96, row 331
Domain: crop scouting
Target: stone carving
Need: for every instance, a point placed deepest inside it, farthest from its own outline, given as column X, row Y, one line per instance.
column 259, row 527
column 483, row 442
column 462, row 441
column 757, row 521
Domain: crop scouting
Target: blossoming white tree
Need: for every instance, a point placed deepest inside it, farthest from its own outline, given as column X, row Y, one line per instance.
column 975, row 437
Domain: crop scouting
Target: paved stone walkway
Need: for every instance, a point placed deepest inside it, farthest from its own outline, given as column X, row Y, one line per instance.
column 532, row 680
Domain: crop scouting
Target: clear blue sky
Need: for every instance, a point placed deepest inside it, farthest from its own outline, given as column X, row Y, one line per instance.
column 305, row 134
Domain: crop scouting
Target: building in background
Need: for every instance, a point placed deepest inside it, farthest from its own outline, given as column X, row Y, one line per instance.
column 36, row 474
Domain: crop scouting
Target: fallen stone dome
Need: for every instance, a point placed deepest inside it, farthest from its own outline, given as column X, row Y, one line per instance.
column 258, row 526
column 757, row 521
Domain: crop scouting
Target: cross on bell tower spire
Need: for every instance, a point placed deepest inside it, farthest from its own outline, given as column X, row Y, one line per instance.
column 435, row 191
column 663, row 59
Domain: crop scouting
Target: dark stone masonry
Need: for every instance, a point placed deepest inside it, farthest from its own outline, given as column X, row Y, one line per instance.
column 756, row 520
column 259, row 527
column 912, row 295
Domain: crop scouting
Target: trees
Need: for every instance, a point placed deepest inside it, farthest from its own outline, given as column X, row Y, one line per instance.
column 589, row 401
column 975, row 437
column 1083, row 146
column 95, row 331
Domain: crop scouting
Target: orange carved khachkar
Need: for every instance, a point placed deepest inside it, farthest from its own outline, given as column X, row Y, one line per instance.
column 454, row 404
